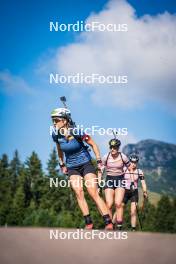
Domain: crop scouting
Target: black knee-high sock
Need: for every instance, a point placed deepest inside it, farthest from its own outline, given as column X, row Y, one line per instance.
column 88, row 219
column 107, row 219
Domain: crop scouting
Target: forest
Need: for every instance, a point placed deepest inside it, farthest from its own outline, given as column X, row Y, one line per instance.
column 26, row 199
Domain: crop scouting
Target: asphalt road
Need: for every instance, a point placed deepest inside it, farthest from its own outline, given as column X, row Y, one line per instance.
column 61, row 246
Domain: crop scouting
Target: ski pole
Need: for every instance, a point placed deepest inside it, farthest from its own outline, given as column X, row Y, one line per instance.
column 139, row 219
column 143, row 207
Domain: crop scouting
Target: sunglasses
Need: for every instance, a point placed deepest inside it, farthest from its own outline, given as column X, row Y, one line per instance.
column 114, row 147
column 56, row 120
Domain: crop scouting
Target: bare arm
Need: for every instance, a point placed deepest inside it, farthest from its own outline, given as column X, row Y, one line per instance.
column 96, row 150
column 61, row 159
column 144, row 186
column 60, row 154
column 94, row 146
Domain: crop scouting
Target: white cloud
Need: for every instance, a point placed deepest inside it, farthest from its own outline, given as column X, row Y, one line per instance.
column 146, row 53
column 11, row 84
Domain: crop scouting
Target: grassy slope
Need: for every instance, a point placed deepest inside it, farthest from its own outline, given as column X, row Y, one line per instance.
column 153, row 197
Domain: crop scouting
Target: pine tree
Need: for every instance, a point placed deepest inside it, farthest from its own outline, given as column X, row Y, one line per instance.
column 19, row 203
column 14, row 170
column 148, row 217
column 173, row 216
column 52, row 165
column 35, row 179
column 163, row 222
column 56, row 198
column 5, row 190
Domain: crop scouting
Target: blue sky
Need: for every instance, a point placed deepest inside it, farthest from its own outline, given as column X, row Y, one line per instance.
column 26, row 97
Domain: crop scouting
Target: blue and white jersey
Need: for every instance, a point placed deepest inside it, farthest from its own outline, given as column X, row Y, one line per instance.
column 75, row 153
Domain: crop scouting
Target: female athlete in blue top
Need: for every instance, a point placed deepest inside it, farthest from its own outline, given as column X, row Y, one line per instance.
column 78, row 164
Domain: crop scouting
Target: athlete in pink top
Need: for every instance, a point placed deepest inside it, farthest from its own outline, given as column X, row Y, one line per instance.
column 133, row 178
column 131, row 190
column 114, row 163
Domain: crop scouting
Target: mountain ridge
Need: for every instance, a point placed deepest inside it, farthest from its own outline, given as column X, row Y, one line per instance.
column 158, row 161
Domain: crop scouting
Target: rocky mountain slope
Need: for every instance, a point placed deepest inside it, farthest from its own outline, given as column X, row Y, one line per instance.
column 158, row 161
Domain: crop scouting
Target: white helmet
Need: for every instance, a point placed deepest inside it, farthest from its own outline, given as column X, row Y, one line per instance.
column 61, row 112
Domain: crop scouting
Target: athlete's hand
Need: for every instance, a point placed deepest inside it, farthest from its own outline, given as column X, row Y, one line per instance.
column 64, row 170
column 145, row 195
column 132, row 187
column 100, row 166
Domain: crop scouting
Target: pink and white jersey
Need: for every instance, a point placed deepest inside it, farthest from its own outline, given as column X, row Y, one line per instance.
column 115, row 166
column 129, row 177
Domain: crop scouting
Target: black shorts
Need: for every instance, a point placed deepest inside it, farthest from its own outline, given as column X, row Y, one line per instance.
column 82, row 170
column 132, row 196
column 113, row 182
